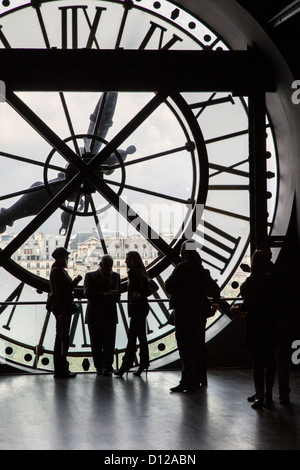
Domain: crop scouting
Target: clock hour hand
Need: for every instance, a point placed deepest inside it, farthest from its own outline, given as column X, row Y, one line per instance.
column 30, row 203
column 113, row 159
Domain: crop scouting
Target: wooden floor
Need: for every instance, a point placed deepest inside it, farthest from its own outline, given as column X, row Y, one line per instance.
column 38, row 412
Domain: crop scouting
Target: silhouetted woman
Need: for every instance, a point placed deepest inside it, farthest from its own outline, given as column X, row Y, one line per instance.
column 138, row 309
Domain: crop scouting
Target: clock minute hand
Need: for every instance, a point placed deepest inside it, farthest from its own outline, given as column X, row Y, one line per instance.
column 100, row 122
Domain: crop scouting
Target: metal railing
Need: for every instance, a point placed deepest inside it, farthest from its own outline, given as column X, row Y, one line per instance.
column 36, row 355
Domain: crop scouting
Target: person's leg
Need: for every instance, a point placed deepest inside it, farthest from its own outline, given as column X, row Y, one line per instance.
column 109, row 336
column 186, row 344
column 283, row 370
column 258, row 376
column 142, row 337
column 61, row 346
column 200, row 355
column 128, row 358
column 270, row 364
column 96, row 346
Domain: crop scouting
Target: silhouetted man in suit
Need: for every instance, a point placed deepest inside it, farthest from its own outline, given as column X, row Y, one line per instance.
column 102, row 289
column 190, row 285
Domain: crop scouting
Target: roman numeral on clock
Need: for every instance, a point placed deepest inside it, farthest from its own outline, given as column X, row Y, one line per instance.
column 14, row 296
column 3, row 39
column 217, row 246
column 154, row 29
column 65, row 25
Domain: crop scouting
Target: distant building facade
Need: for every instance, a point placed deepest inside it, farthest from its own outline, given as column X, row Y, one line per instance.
column 86, row 251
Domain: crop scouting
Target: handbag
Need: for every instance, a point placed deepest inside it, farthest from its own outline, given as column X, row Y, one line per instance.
column 152, row 287
column 75, row 308
column 49, row 302
column 171, row 319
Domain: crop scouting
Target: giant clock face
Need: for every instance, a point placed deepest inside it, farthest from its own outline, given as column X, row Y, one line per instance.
column 177, row 166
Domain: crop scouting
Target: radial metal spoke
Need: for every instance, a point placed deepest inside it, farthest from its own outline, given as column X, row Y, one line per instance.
column 84, row 170
column 232, row 135
column 72, row 221
column 87, row 203
column 151, row 193
column 69, row 121
column 61, row 94
column 41, row 128
column 229, row 187
column 30, row 161
column 150, row 157
column 98, row 226
column 134, row 219
column 231, row 169
column 98, row 120
column 227, row 213
column 42, row 216
column 61, row 147
column 30, row 190
column 126, row 132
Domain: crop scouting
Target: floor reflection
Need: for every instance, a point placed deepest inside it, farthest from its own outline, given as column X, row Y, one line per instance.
column 93, row 412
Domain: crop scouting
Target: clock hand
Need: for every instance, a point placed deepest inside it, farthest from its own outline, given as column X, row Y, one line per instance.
column 113, row 198
column 113, row 159
column 30, row 203
column 111, row 147
column 100, row 122
column 85, row 171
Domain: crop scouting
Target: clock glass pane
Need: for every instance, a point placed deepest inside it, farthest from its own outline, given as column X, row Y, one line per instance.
column 185, row 158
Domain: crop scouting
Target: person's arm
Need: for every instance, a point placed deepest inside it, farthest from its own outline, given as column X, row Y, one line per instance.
column 173, row 282
column 240, row 309
column 90, row 289
column 115, row 292
column 62, row 289
column 76, row 281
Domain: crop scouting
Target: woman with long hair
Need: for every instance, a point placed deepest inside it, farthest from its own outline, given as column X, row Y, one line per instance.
column 138, row 309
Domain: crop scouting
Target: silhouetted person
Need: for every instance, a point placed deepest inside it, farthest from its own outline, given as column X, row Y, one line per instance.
column 190, row 285
column 62, row 306
column 283, row 352
column 138, row 309
column 262, row 304
column 102, row 289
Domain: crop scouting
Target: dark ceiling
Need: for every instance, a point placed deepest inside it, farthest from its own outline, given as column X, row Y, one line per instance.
column 286, row 34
